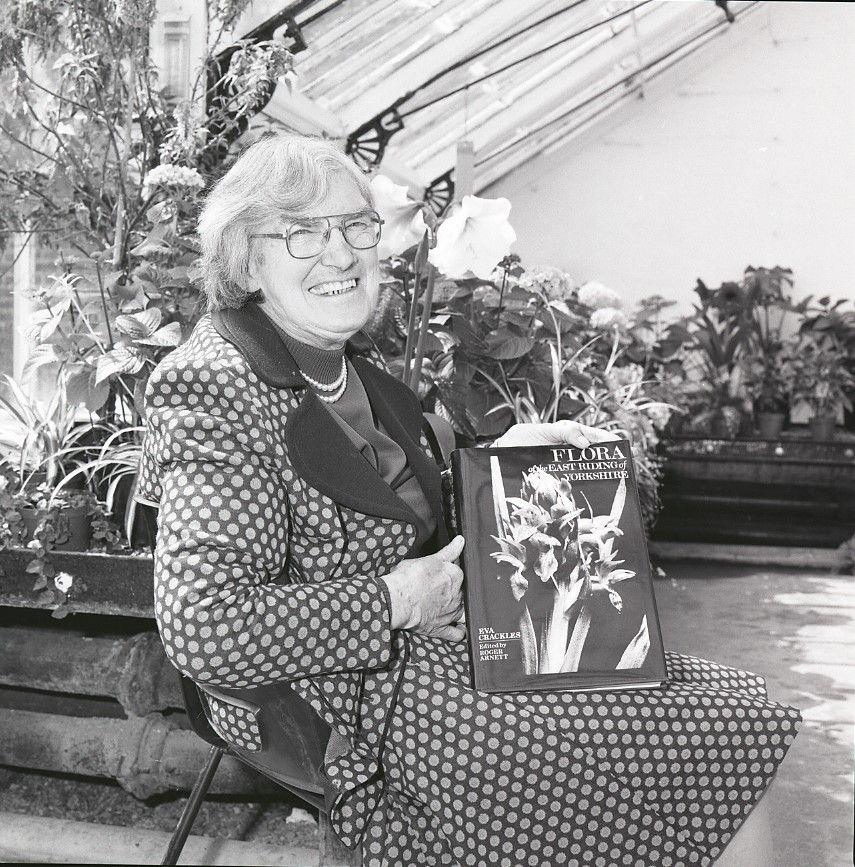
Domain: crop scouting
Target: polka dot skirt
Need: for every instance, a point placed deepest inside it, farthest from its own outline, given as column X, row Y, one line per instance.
column 648, row 777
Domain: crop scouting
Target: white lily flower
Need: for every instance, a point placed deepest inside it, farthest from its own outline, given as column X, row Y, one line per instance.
column 473, row 238
column 403, row 219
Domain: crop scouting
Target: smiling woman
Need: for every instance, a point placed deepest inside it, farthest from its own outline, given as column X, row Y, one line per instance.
column 294, row 220
column 302, row 548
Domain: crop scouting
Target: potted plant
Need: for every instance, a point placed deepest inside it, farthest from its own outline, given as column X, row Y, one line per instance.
column 770, row 389
column 40, row 446
column 822, row 380
column 500, row 343
column 834, row 321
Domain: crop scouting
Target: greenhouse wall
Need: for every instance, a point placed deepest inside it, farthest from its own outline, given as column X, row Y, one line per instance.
column 742, row 154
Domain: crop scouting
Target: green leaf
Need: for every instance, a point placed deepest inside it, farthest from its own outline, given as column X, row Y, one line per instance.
column 82, row 388
column 117, row 360
column 169, row 335
column 139, row 326
column 506, row 345
column 40, row 356
column 139, row 395
column 43, row 324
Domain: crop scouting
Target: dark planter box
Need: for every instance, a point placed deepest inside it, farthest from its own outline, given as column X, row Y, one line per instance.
column 109, row 584
column 785, row 491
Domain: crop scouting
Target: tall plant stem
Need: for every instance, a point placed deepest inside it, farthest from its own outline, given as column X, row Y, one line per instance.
column 501, row 295
column 420, row 259
column 528, row 641
column 121, row 205
column 427, row 301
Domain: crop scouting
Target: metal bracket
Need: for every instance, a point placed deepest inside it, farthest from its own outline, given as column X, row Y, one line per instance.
column 367, row 144
column 439, row 193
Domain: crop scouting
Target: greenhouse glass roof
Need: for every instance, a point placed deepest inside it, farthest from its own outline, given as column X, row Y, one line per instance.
column 403, row 81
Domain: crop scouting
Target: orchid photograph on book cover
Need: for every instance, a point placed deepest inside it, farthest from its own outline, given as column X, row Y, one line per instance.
column 564, row 554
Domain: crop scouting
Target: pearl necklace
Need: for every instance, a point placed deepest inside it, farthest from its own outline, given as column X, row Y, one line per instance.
column 335, row 388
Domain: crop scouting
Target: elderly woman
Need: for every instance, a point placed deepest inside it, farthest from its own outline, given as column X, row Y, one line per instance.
column 303, row 553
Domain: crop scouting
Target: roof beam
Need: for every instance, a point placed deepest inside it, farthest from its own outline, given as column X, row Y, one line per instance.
column 292, row 109
column 477, row 33
column 584, row 123
column 297, row 112
column 547, row 91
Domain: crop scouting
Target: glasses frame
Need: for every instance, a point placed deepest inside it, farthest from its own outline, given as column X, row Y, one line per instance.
column 339, row 218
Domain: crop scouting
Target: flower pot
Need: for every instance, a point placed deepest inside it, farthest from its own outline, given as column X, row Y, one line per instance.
column 770, row 424
column 822, row 427
column 72, row 525
column 725, row 425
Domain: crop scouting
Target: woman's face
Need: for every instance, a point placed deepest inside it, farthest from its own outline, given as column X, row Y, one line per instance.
column 326, row 299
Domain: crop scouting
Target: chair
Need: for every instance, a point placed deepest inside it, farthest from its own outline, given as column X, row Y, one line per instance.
column 307, row 737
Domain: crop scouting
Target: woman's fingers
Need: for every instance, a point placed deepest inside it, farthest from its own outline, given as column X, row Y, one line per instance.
column 564, row 432
column 451, row 551
column 597, row 435
column 452, row 632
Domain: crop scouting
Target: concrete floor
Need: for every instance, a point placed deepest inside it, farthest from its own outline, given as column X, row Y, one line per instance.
column 797, row 628
column 794, row 626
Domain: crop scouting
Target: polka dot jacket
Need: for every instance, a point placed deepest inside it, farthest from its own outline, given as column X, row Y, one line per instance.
column 273, row 535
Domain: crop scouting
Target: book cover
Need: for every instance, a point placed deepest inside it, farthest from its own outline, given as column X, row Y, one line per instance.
column 558, row 588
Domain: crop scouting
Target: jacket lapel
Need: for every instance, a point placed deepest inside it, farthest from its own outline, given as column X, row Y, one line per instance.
column 325, row 457
column 400, row 412
column 317, row 446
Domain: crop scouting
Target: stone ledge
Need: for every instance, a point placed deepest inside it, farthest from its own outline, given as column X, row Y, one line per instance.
column 32, row 839
column 761, row 555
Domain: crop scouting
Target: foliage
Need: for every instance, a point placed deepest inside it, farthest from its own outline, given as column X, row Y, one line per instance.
column 49, row 514
column 522, row 347
column 737, row 347
column 44, row 439
column 108, row 168
column 820, row 376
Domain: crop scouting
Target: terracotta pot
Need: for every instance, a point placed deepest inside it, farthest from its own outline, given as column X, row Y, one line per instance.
column 822, row 427
column 73, row 527
column 770, row 424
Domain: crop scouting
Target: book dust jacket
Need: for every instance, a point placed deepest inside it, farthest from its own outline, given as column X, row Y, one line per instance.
column 558, row 588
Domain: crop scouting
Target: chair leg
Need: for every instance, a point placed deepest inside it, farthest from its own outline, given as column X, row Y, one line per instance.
column 333, row 853
column 191, row 808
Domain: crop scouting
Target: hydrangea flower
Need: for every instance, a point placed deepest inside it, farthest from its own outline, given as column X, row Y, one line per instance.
column 556, row 284
column 606, row 318
column 596, row 296
column 173, row 177
column 473, row 238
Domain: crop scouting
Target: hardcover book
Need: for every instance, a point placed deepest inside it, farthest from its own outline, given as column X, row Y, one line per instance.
column 558, row 588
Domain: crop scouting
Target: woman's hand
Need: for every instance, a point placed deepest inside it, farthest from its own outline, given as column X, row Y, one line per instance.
column 563, row 432
column 427, row 595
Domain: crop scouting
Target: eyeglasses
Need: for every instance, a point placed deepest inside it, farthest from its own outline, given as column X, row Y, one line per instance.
column 309, row 237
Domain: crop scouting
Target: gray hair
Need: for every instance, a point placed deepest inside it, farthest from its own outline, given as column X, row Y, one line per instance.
column 279, row 175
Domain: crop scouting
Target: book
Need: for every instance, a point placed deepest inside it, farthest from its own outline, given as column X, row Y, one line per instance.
column 558, row 589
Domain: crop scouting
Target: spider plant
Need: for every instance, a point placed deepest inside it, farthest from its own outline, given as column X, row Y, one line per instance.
column 116, row 460
column 39, row 439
